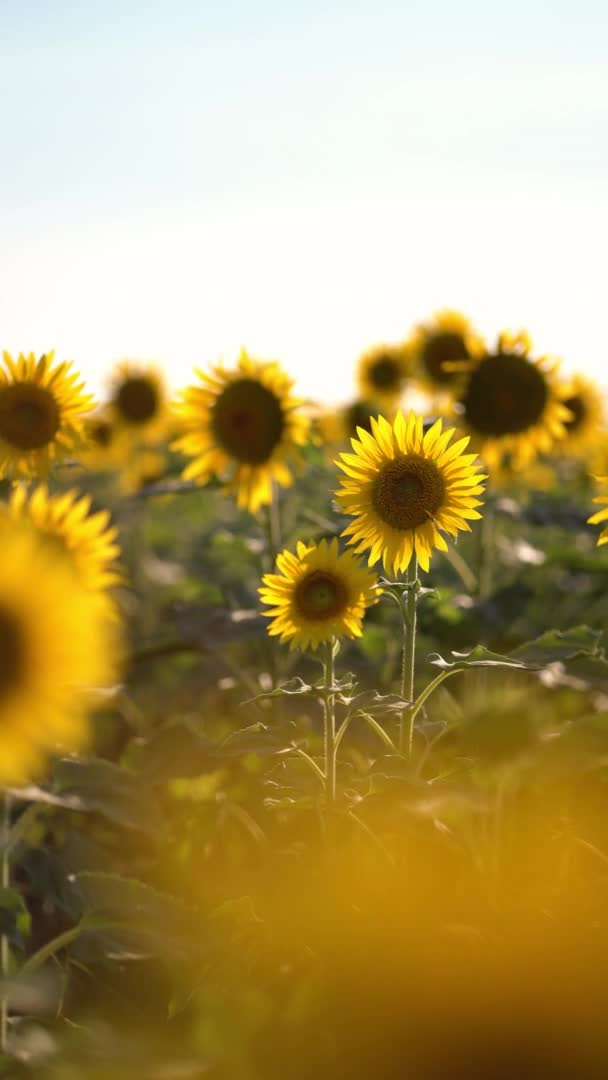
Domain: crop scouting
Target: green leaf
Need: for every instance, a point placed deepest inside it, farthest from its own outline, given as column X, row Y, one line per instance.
column 478, row 657
column 557, row 645
column 14, row 916
column 101, row 787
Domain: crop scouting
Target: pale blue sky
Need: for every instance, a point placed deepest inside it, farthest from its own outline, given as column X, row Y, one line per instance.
column 305, row 179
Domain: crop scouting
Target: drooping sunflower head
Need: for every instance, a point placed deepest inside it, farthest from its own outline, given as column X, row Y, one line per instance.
column 404, row 488
column 87, row 541
column 382, row 373
column 512, row 404
column 42, row 406
column 318, row 594
column 440, row 347
column 138, row 400
column 601, row 516
column 583, row 399
column 242, row 425
column 57, row 646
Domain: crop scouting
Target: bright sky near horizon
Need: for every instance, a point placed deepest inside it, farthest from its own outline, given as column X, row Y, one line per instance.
column 306, row 179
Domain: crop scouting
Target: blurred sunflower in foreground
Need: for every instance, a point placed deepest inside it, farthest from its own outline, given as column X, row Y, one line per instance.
column 319, row 594
column 404, row 487
column 512, row 404
column 57, row 645
column 382, row 373
column 88, row 540
column 583, row 398
column 41, row 414
column 447, row 339
column 138, row 400
column 242, row 425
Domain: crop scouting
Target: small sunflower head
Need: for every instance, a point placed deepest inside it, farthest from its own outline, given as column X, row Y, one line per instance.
column 601, row 516
column 441, row 347
column 583, row 400
column 42, row 406
column 138, row 402
column 382, row 374
column 405, row 487
column 318, row 595
column 511, row 403
column 242, row 425
column 339, row 425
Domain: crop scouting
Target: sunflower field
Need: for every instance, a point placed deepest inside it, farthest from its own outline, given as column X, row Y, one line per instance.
column 304, row 719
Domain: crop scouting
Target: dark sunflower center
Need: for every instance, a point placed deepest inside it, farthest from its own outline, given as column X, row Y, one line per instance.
column 440, row 350
column 248, row 421
column 407, row 492
column 29, row 416
column 506, row 395
column 101, row 433
column 359, row 414
column 579, row 411
column 137, row 399
column 12, row 652
column 320, row 595
column 385, row 373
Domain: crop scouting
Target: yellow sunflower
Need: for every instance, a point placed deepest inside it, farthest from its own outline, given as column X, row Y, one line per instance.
column 403, row 487
column 317, row 595
column 41, row 414
column 601, row 515
column 243, row 426
column 88, row 540
column 138, row 400
column 511, row 404
column 340, row 425
column 584, row 400
column 382, row 373
column 57, row 646
column 440, row 346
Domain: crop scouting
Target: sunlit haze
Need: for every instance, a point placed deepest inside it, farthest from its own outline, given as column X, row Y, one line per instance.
column 306, row 180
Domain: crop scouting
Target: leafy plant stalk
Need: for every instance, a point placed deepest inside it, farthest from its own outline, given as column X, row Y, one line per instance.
column 408, row 606
column 329, row 707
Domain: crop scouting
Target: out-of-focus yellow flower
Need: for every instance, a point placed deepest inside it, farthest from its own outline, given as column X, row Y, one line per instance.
column 439, row 346
column 88, row 540
column 404, row 488
column 318, row 594
column 382, row 373
column 41, row 414
column 57, row 645
column 512, row 404
column 242, row 425
column 601, row 515
column 584, row 400
column 138, row 400
column 338, row 426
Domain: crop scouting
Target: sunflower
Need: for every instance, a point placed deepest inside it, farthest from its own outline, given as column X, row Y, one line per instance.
column 319, row 594
column 600, row 515
column 440, row 346
column 340, row 425
column 41, row 414
column 403, row 487
column 88, row 540
column 584, row 400
column 511, row 404
column 382, row 373
column 138, row 400
column 242, row 425
column 57, row 646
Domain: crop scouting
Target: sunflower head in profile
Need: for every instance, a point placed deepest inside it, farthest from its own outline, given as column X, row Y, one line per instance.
column 511, row 404
column 88, row 541
column 57, row 648
column 601, row 516
column 440, row 347
column 138, row 402
column 382, row 374
column 318, row 594
column 584, row 400
column 404, row 488
column 243, row 426
column 42, row 405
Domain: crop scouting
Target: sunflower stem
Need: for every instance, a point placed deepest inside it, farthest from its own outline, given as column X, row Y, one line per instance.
column 486, row 551
column 408, row 605
column 274, row 525
column 4, row 943
column 329, row 718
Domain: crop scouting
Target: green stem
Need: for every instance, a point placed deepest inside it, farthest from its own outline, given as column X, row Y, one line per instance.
column 274, row 525
column 486, row 551
column 408, row 613
column 4, row 943
column 329, row 706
